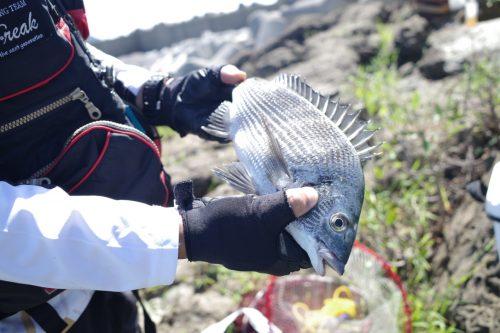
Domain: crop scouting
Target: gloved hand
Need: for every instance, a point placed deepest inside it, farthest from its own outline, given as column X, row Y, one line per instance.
column 188, row 101
column 245, row 233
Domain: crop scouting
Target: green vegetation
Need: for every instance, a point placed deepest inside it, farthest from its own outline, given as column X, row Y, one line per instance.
column 166, row 133
column 408, row 199
column 227, row 282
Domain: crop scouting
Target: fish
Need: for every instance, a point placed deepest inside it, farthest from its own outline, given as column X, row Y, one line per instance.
column 287, row 135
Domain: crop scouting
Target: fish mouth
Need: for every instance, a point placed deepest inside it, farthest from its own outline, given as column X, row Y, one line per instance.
column 327, row 257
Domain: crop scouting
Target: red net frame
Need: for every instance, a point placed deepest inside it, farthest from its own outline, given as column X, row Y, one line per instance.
column 266, row 303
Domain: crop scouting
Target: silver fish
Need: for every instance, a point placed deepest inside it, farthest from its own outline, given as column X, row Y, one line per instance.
column 288, row 135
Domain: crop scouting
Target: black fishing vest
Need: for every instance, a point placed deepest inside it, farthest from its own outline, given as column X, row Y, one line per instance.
column 48, row 88
column 51, row 87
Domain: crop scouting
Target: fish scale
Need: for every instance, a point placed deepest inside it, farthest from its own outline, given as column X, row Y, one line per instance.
column 295, row 127
column 287, row 135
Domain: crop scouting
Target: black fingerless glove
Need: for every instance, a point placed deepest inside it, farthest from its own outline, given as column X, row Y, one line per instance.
column 243, row 233
column 188, row 101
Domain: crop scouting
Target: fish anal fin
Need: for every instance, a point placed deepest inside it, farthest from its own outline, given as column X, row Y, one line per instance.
column 236, row 175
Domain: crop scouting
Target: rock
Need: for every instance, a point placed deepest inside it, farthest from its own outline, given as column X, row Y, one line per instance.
column 272, row 61
column 286, row 50
column 183, row 310
column 366, row 45
column 466, row 256
column 266, row 27
column 323, row 50
column 208, row 50
column 361, row 16
column 223, row 190
column 326, row 51
column 163, row 35
column 452, row 47
column 410, row 39
column 193, row 158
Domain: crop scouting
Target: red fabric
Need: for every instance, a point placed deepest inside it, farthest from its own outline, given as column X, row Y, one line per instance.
column 94, row 166
column 80, row 19
column 101, row 155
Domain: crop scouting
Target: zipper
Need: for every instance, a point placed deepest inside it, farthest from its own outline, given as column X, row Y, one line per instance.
column 76, row 95
column 43, row 171
column 40, row 177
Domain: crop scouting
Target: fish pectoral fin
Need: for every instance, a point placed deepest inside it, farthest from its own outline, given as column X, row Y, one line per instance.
column 278, row 172
column 236, row 175
column 218, row 121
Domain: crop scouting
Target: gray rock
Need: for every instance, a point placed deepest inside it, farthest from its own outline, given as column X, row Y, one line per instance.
column 464, row 255
column 163, row 35
column 276, row 59
column 366, row 45
column 183, row 310
column 223, row 190
column 411, row 37
column 193, row 158
column 452, row 47
column 266, row 27
column 208, row 50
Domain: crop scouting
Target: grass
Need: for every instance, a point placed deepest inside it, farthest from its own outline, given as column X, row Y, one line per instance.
column 408, row 197
column 228, row 282
column 166, row 133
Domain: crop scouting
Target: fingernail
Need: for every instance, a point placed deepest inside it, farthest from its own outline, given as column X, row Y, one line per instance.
column 231, row 74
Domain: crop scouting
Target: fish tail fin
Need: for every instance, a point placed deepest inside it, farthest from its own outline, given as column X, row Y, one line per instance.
column 218, row 122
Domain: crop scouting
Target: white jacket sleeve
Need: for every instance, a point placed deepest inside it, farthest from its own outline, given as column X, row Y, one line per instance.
column 133, row 77
column 53, row 240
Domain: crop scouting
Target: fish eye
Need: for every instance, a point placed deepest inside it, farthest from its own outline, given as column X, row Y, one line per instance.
column 339, row 222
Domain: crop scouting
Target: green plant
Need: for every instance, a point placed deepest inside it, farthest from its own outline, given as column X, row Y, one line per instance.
column 399, row 208
column 166, row 133
column 482, row 91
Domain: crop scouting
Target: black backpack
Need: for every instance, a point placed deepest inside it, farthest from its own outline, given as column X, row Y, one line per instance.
column 62, row 125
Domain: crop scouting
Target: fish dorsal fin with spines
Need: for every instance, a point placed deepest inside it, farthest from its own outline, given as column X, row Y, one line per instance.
column 236, row 175
column 340, row 114
column 218, row 122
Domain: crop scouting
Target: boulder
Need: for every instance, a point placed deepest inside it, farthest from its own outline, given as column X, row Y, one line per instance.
column 467, row 265
column 193, row 158
column 266, row 27
column 452, row 47
column 181, row 309
column 410, row 39
column 211, row 48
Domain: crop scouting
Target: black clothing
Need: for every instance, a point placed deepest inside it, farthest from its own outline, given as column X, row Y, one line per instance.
column 188, row 101
column 243, row 233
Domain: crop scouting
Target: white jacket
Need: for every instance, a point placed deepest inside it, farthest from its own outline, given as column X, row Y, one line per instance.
column 53, row 240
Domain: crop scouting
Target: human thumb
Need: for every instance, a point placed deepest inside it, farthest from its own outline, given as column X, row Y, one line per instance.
column 302, row 200
column 230, row 74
